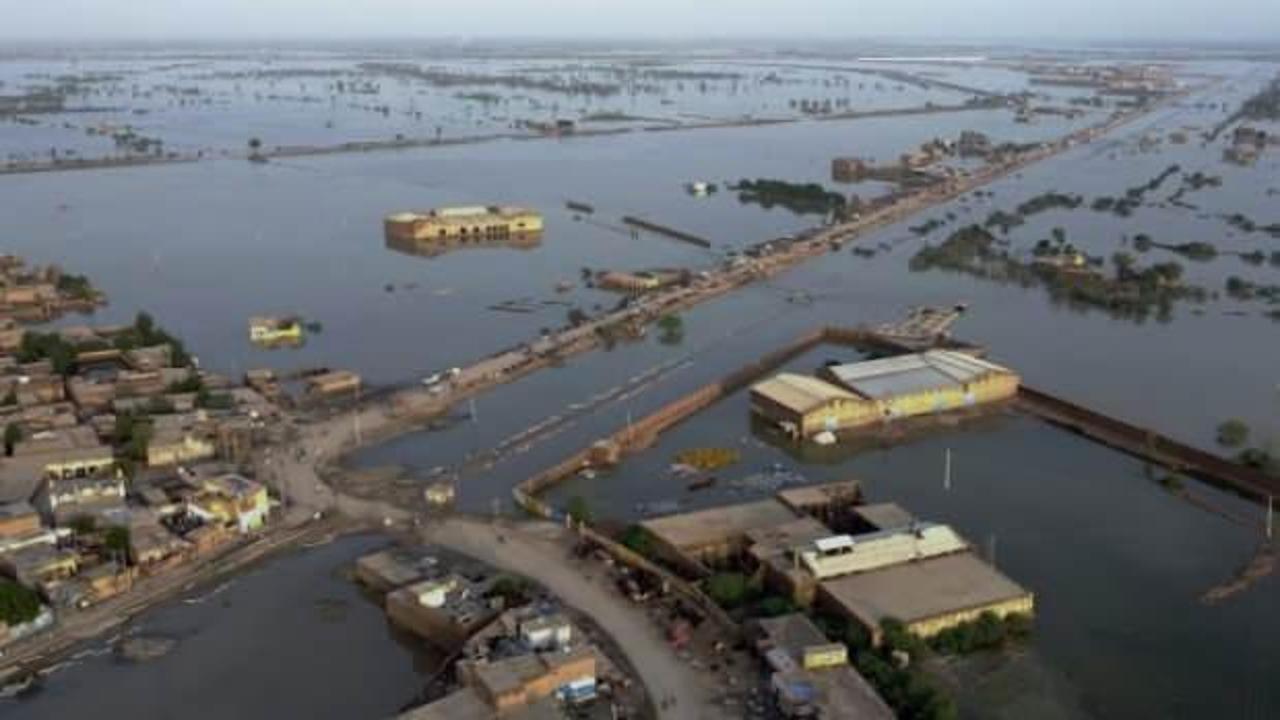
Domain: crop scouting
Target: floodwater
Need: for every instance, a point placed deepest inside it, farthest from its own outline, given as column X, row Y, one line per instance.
column 1117, row 563
column 295, row 637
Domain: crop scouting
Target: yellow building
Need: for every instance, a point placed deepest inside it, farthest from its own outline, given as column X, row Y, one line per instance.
column 804, row 406
column 175, row 447
column 930, row 382
column 928, row 596
column 272, row 330
column 460, row 225
column 233, row 500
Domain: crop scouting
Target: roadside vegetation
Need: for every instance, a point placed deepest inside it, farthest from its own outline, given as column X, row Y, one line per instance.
column 799, row 198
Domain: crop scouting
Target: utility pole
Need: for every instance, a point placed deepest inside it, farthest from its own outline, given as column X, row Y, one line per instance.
column 991, row 550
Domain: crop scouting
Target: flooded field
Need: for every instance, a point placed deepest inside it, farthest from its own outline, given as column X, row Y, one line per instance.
column 132, row 103
column 1117, row 562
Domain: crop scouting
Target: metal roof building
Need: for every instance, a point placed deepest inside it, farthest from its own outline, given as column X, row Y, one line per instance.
column 800, row 394
column 912, row 374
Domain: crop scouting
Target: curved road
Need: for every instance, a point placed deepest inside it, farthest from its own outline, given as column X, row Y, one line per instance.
column 530, row 552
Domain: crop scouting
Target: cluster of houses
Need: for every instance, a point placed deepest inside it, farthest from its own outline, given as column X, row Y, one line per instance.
column 121, row 461
column 516, row 657
column 38, row 294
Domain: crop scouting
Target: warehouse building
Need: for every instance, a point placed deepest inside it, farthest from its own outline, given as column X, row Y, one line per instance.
column 804, row 406
column 928, row 596
column 924, row 574
column 930, row 382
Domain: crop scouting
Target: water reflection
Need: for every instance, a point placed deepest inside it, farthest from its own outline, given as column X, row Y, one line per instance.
column 435, row 247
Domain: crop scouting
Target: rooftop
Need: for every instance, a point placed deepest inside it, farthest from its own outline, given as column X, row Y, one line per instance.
column 233, row 485
column 840, row 693
column 908, row 374
column 64, row 441
column 706, row 527
column 792, row 633
column 884, row 516
column 820, row 495
column 800, row 393
column 468, row 213
column 465, row 704
column 923, row 589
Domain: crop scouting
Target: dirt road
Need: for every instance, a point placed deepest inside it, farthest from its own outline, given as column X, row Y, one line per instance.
column 531, row 550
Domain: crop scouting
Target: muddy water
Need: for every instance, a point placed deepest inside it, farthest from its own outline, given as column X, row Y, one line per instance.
column 291, row 638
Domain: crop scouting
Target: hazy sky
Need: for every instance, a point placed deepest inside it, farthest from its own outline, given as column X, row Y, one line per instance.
column 159, row 19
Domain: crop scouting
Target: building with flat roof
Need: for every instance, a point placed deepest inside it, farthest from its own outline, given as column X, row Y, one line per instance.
column 881, row 516
column 462, row 225
column 66, row 453
column 268, row 330
column 811, row 675
column 233, row 500
column 61, row 500
column 466, row 704
column 928, row 596
column 514, row 682
column 837, row 555
column 929, row 382
column 386, row 570
column 444, row 611
column 714, row 535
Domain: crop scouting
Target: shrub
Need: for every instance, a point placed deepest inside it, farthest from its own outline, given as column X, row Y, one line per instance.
column 1233, row 433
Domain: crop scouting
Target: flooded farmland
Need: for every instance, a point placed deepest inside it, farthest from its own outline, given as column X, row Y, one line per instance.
column 1117, row 562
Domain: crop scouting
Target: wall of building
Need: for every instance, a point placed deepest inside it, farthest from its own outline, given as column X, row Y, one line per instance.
column 929, row 627
column 992, row 388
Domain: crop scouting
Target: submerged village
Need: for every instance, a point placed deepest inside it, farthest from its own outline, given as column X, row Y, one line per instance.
column 732, row 551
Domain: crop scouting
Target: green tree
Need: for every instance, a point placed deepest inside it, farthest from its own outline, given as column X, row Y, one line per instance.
column 12, row 436
column 514, row 591
column 672, row 327
column 774, row 605
column 1231, row 433
column 638, row 540
column 116, row 542
column 18, row 604
column 83, row 524
column 579, row 511
column 727, row 589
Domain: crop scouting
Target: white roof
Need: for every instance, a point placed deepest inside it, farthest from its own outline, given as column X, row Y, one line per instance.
column 906, row 374
column 836, row 542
